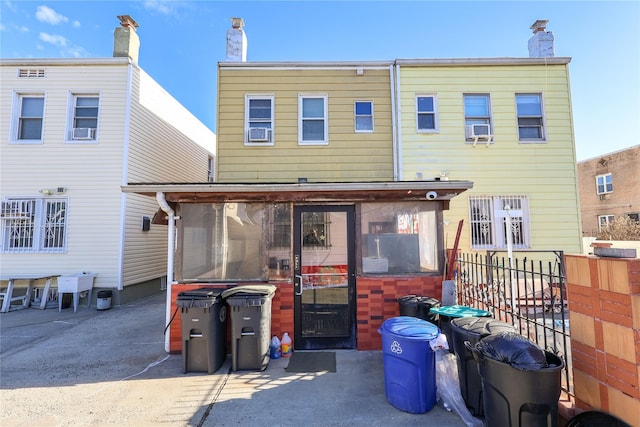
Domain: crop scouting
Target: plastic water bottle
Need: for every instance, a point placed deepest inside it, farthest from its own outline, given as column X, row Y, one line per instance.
column 274, row 348
column 285, row 345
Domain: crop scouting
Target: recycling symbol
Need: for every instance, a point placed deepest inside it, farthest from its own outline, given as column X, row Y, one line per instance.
column 396, row 348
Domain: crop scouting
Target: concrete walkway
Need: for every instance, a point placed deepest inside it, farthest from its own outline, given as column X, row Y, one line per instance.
column 110, row 368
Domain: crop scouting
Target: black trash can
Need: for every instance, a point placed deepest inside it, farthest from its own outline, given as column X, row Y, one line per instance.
column 250, row 307
column 204, row 330
column 515, row 396
column 419, row 306
column 449, row 312
column 472, row 330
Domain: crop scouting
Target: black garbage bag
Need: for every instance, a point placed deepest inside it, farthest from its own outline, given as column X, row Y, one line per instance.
column 513, row 349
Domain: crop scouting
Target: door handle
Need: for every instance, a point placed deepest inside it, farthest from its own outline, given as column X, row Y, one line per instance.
column 299, row 277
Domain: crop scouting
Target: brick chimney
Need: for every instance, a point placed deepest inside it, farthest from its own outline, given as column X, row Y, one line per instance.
column 541, row 43
column 126, row 43
column 236, row 41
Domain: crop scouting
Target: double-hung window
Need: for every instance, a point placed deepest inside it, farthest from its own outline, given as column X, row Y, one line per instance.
column 29, row 118
column 604, row 184
column 530, row 117
column 497, row 219
column 312, row 120
column 426, row 113
column 34, row 225
column 363, row 116
column 604, row 221
column 259, row 118
column 84, row 117
column 477, row 116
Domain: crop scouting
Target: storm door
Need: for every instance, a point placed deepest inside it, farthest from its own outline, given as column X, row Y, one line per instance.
column 324, row 283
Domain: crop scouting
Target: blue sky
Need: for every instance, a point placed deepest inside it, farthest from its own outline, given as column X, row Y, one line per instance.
column 182, row 41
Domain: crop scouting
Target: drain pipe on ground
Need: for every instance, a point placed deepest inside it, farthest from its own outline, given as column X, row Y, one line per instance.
column 170, row 255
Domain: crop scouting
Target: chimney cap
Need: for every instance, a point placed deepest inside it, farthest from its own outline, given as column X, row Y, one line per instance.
column 237, row 23
column 128, row 21
column 539, row 25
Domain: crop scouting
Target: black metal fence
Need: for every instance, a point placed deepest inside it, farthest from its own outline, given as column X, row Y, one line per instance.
column 528, row 293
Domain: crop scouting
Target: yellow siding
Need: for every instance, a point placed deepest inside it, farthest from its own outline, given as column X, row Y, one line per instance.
column 349, row 156
column 545, row 172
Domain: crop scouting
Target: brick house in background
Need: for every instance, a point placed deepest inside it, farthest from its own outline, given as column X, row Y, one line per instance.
column 609, row 188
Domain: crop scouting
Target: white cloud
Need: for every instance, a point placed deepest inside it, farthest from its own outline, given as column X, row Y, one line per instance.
column 53, row 39
column 163, row 6
column 49, row 16
column 76, row 24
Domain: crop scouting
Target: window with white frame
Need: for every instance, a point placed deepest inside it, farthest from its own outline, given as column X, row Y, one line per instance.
column 35, row 225
column 84, row 117
column 530, row 117
column 604, row 184
column 426, row 113
column 312, row 120
column 604, row 221
column 497, row 219
column 363, row 111
column 259, row 120
column 477, row 116
column 29, row 118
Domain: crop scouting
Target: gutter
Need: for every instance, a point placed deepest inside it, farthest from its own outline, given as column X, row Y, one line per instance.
column 170, row 260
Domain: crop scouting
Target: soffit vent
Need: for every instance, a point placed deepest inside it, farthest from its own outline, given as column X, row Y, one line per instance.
column 31, row 72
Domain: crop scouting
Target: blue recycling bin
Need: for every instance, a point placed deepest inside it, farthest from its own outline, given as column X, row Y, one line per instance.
column 409, row 363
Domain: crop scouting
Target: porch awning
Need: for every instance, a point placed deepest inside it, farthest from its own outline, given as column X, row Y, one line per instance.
column 303, row 192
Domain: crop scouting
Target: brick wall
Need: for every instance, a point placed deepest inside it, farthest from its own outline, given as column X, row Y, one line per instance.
column 376, row 300
column 604, row 312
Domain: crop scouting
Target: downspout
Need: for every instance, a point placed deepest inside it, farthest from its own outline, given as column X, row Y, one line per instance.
column 170, row 257
column 393, row 122
column 398, row 152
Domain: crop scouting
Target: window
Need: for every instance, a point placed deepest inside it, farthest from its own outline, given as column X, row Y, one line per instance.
column 312, row 122
column 490, row 217
column 280, row 225
column 477, row 115
column 259, row 120
column 315, row 230
column 399, row 238
column 84, row 117
column 364, row 116
column 33, row 225
column 426, row 117
column 530, row 123
column 634, row 216
column 30, row 117
column 604, row 184
column 604, row 221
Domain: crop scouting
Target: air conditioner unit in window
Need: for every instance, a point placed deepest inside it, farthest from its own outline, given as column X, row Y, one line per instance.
column 259, row 135
column 604, row 196
column 84, row 133
column 479, row 132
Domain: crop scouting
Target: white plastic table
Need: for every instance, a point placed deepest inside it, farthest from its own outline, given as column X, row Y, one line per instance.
column 8, row 297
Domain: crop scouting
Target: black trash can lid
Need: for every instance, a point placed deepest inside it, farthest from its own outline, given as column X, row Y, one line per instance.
column 481, row 326
column 202, row 293
column 249, row 290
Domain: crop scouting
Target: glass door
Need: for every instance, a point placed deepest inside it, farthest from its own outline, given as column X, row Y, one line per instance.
column 324, row 283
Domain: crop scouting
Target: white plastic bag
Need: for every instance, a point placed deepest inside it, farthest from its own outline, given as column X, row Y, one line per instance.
column 448, row 388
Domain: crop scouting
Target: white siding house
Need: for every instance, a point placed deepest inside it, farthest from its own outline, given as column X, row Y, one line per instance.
column 72, row 132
